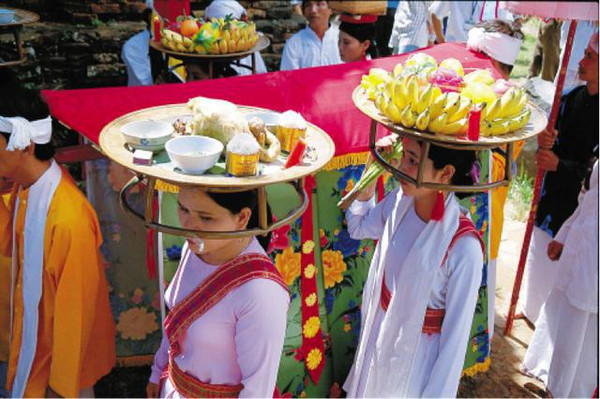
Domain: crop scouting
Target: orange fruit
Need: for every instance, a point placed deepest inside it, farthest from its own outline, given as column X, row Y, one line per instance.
column 189, row 27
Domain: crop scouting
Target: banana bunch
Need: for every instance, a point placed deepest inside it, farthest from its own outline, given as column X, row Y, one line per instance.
column 374, row 81
column 218, row 36
column 505, row 114
column 176, row 41
column 425, row 109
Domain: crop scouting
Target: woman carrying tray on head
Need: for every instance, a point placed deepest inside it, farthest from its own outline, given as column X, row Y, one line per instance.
column 227, row 307
column 420, row 295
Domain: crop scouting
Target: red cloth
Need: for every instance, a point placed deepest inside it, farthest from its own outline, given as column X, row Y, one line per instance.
column 323, row 95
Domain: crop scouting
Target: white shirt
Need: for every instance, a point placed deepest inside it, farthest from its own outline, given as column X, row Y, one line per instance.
column 439, row 357
column 135, row 55
column 464, row 15
column 304, row 49
column 410, row 25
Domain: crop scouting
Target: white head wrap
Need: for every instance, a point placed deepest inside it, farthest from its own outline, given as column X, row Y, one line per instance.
column 593, row 43
column 498, row 46
column 23, row 132
column 220, row 9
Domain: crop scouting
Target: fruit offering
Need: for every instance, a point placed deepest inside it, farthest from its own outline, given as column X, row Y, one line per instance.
column 506, row 114
column 217, row 36
column 442, row 102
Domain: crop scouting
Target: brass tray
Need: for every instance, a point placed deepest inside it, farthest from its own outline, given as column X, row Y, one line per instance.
column 114, row 146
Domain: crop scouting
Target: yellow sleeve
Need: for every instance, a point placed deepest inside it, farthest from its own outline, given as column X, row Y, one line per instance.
column 73, row 261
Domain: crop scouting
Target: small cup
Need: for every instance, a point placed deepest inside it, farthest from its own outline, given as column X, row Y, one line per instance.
column 240, row 165
column 288, row 136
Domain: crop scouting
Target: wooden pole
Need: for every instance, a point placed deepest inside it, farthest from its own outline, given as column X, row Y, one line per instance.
column 537, row 188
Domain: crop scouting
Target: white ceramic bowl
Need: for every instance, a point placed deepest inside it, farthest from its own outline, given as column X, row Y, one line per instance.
column 147, row 135
column 6, row 16
column 194, row 154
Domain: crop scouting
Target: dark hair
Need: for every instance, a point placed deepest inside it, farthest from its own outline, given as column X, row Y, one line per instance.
column 235, row 202
column 512, row 29
column 462, row 161
column 362, row 32
column 16, row 100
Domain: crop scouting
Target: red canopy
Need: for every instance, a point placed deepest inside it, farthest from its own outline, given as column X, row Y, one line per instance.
column 322, row 95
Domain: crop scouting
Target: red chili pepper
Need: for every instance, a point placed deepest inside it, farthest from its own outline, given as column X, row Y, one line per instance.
column 296, row 155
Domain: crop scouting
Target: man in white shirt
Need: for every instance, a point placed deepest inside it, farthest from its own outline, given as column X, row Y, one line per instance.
column 315, row 45
column 462, row 16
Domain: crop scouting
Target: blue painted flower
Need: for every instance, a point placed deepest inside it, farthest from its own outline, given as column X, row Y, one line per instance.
column 346, row 245
column 350, row 175
column 174, row 252
column 329, row 299
column 481, row 211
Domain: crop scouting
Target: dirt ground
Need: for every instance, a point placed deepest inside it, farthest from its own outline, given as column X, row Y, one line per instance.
column 503, row 379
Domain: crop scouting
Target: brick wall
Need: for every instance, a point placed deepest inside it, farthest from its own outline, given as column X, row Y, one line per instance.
column 77, row 43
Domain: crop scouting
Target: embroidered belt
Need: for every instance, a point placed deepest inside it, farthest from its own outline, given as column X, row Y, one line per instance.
column 434, row 318
column 190, row 387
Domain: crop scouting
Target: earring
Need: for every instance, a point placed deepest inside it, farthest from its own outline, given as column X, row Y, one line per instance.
column 437, row 212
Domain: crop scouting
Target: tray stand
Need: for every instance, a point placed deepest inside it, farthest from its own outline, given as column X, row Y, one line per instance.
column 113, row 145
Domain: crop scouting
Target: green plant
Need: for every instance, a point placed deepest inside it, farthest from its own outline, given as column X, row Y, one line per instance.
column 520, row 194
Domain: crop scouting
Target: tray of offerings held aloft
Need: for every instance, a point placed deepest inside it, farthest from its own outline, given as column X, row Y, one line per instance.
column 443, row 105
column 219, row 147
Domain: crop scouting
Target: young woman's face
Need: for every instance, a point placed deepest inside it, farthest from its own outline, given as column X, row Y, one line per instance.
column 198, row 211
column 350, row 48
column 410, row 166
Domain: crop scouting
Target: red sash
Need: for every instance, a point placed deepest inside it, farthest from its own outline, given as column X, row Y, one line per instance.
column 435, row 317
column 227, row 277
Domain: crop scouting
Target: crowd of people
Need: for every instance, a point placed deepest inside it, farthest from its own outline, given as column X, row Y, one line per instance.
column 228, row 304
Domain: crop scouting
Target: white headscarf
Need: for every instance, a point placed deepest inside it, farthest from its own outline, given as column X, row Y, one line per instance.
column 593, row 43
column 23, row 132
column 497, row 45
column 220, row 9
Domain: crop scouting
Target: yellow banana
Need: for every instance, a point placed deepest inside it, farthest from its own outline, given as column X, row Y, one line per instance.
column 437, row 107
column 389, row 87
column 492, row 110
column 507, row 102
column 425, row 99
column 452, row 104
column 436, row 124
column 379, row 102
column 399, row 95
column 484, row 128
column 412, row 92
column 455, row 128
column 436, row 93
column 188, row 43
column 423, row 120
column 392, row 111
column 408, row 118
column 522, row 102
column 463, row 110
column 499, row 127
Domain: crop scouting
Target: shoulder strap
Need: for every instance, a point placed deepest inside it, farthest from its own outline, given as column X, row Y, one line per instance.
column 465, row 226
column 227, row 277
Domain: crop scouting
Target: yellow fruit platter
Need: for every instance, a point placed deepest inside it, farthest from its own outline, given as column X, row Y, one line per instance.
column 434, row 103
column 261, row 44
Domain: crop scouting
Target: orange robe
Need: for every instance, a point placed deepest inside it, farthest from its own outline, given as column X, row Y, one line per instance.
column 76, row 331
column 5, row 266
column 499, row 195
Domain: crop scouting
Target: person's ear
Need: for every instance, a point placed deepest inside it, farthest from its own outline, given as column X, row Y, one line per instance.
column 243, row 217
column 446, row 174
column 365, row 46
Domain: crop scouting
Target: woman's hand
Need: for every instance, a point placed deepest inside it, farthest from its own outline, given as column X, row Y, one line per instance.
column 152, row 390
column 385, row 145
column 555, row 250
